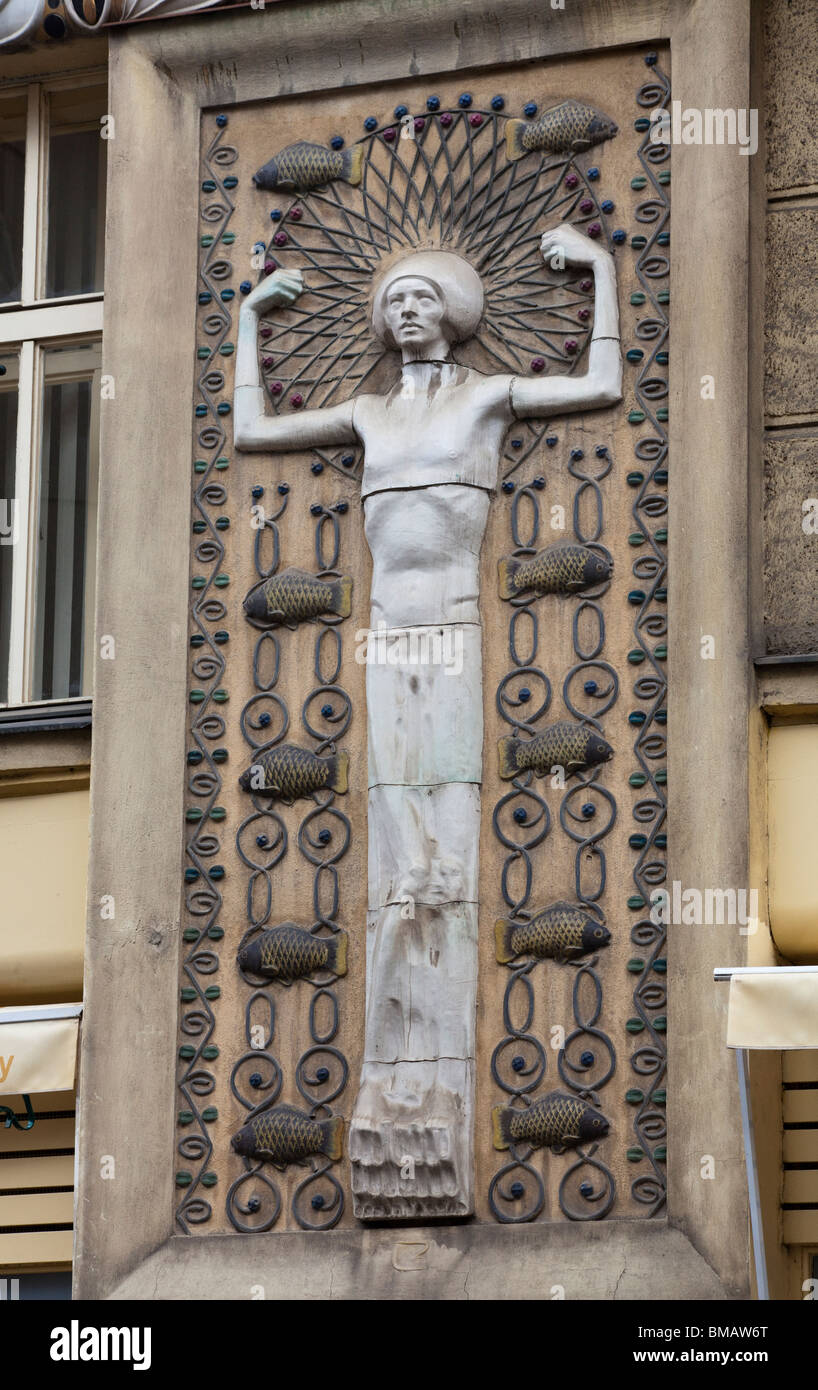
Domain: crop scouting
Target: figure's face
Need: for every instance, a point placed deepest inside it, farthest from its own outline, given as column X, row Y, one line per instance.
column 414, row 311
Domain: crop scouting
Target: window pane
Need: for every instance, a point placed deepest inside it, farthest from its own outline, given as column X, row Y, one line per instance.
column 8, row 518
column 76, row 193
column 66, row 534
column 12, row 170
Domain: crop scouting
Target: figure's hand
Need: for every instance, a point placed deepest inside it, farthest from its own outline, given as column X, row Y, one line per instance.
column 571, row 246
column 278, row 291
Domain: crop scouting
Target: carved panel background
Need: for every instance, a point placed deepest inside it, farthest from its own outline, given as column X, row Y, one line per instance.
column 587, row 465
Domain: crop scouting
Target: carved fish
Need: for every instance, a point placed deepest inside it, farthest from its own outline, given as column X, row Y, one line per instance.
column 569, row 746
column 285, row 1135
column 290, row 952
column 570, row 126
column 559, row 569
column 294, row 596
column 288, row 772
column 304, row 165
column 560, row 932
column 558, row 1121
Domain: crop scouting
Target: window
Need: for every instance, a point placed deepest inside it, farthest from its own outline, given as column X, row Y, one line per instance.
column 52, row 217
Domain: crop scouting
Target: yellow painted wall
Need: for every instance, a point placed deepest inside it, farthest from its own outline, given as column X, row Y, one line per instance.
column 793, row 829
column 43, row 868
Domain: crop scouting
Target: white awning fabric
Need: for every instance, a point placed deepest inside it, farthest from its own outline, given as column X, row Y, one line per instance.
column 774, row 1008
column 38, row 1049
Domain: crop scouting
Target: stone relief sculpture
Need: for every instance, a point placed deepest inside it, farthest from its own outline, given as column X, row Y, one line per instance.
column 432, row 446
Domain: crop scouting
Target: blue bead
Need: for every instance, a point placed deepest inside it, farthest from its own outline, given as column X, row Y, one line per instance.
column 517, row 1063
column 433, row 103
column 316, row 509
column 317, row 1201
column 245, row 287
column 341, row 507
column 590, row 687
column 322, row 1074
column 577, row 454
column 521, row 815
column 284, row 488
column 221, row 121
column 651, row 59
column 265, row 719
column 551, row 440
column 262, row 841
column 465, row 99
column 254, row 1204
column 337, row 142
column 223, row 408
column 257, row 491
column 586, row 1189
column 347, row 460
column 259, row 246
column 530, row 109
column 400, row 111
column 256, row 1080
column 517, row 1189
column 607, row 205
column 587, row 1059
column 371, row 123
column 508, row 486
column 275, row 215
column 324, row 836
column 497, row 103
column 601, row 451
column 317, row 467
column 327, row 711
column 589, row 810
column 592, row 173
column 516, row 443
column 538, row 483
column 619, row 236
column 524, row 695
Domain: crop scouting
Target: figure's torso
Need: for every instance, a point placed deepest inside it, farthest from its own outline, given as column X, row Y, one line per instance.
column 439, row 424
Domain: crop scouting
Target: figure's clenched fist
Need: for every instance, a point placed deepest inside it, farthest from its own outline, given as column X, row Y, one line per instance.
column 570, row 246
column 278, row 290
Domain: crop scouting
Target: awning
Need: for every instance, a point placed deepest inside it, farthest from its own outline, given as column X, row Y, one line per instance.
column 38, row 1049
column 772, row 1007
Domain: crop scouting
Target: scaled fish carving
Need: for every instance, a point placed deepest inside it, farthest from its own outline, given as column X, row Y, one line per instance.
column 289, row 772
column 285, row 1135
column 561, row 932
column 293, row 596
column 570, row 746
column 290, row 952
column 557, row 1121
column 572, row 126
column 304, row 165
column 559, row 569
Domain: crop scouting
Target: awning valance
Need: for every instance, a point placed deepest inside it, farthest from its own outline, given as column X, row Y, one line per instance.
column 38, row 1049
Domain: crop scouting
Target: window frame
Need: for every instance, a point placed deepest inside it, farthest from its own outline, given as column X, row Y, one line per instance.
column 29, row 327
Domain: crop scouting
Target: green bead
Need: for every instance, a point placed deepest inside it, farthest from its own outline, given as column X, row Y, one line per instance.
column 210, row 1053
column 635, row 1096
column 634, row 354
column 638, row 297
column 661, row 777
column 635, row 479
column 207, row 240
column 660, row 1154
column 636, row 538
column 636, row 656
column 215, row 932
column 183, row 1178
column 635, row 1155
column 660, row 652
column 209, row 1114
column 635, row 1025
column 661, row 534
column 221, row 464
column 190, row 934
column 661, row 841
column 194, row 813
column 209, row 1179
column 188, row 994
column 198, row 581
column 187, row 1052
column 662, row 358
column 220, row 755
column 212, row 992
column 639, row 182
column 217, row 813
column 660, row 1024
column 221, row 696
column 659, row 1097
column 203, row 353
column 639, row 242
column 185, row 1117
column 199, row 527
column 664, row 177
column 200, row 466
column 196, row 697
column 635, row 417
column 228, row 238
column 227, row 349
column 636, row 902
column 221, row 581
column 636, row 966
column 637, row 779
column 660, row 965
column 662, row 413
column 663, row 297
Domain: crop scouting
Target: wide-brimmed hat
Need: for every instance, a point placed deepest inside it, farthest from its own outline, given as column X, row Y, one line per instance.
column 457, row 283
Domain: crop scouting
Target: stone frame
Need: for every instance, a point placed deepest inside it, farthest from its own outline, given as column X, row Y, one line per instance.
column 161, row 76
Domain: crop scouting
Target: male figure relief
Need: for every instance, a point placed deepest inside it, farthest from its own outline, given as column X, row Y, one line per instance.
column 432, row 448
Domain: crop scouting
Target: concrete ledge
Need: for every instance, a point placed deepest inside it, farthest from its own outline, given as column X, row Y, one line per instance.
column 608, row 1260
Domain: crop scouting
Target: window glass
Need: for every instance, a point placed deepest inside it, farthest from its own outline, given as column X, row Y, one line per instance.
column 12, row 172
column 76, row 193
column 66, row 530
column 9, row 521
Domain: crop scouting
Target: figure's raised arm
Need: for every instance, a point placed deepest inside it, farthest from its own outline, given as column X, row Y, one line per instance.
column 253, row 428
column 602, row 383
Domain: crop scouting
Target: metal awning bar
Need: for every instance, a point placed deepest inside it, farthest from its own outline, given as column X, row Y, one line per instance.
column 36, row 1013
column 726, row 972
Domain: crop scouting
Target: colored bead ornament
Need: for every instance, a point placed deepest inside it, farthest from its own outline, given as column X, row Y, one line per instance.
column 433, row 103
column 530, row 109
column 316, row 509
column 296, row 214
column 594, row 229
column 337, row 142
column 586, row 205
column 280, row 238
column 267, row 363
column 584, row 315
column 296, row 400
column 284, row 488
column 221, row 121
column 245, row 287
column 571, row 345
column 266, row 333
column 586, row 286
column 400, row 112
column 587, row 1059
column 347, row 460
column 389, row 134
column 521, row 815
column 592, row 173
column 589, row 810
column 508, row 486
column 537, row 364
column 619, row 236
column 577, row 455
column 571, row 181
column 446, row 119
column 257, row 491
column 371, row 123
column 517, row 1190
column 317, row 466
column 475, row 119
column 524, row 695
column 497, row 103
column 276, row 388
column 538, row 483
column 465, row 99
column 590, row 687
column 551, row 440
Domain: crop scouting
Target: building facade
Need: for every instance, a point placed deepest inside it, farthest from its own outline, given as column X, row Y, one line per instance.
column 410, row 482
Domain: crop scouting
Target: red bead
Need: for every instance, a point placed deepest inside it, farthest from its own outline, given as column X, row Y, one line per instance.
column 270, row 266
column 280, row 238
column 571, row 345
column 389, row 134
column 586, row 286
column 586, row 205
column 267, row 363
column 266, row 333
column 537, row 364
column 446, row 118
column 584, row 314
column 276, row 388
column 571, row 181
column 594, row 229
column 475, row 119
column 419, row 123
column 296, row 214
column 297, row 400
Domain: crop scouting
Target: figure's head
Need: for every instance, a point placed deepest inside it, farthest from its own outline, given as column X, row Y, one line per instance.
column 426, row 302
